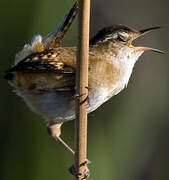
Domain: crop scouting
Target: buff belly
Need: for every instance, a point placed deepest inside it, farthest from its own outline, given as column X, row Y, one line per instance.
column 54, row 106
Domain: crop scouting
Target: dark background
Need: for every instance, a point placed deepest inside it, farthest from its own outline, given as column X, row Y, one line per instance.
column 128, row 137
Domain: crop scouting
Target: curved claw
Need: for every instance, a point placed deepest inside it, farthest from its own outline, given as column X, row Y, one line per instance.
column 76, row 96
column 86, row 172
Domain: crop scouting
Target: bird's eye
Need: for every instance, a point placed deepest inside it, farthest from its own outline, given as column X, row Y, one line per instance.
column 119, row 38
column 123, row 36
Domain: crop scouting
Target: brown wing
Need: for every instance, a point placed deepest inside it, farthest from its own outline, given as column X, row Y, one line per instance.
column 52, row 69
column 59, row 60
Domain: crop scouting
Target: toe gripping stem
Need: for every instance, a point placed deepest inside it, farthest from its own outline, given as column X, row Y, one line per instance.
column 77, row 96
column 85, row 174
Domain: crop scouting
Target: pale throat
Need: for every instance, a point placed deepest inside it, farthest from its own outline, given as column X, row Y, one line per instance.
column 125, row 62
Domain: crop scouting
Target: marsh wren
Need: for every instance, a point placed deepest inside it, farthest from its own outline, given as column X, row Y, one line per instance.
column 44, row 72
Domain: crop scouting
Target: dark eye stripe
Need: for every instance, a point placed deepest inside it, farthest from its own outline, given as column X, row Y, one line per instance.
column 120, row 39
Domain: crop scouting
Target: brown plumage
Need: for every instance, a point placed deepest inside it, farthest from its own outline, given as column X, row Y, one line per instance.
column 33, row 74
column 44, row 72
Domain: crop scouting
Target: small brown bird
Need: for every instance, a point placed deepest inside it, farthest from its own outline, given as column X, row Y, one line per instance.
column 44, row 72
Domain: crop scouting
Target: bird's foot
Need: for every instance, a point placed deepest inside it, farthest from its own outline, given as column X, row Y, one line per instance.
column 85, row 174
column 86, row 100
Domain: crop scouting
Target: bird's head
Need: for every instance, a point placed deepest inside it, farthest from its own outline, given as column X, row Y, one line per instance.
column 121, row 36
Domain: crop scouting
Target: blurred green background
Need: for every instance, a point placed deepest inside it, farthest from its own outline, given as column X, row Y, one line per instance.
column 128, row 137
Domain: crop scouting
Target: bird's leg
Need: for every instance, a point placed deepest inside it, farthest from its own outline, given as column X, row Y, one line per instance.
column 55, row 131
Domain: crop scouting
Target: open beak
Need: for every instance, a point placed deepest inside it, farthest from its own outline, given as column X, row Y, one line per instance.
column 143, row 32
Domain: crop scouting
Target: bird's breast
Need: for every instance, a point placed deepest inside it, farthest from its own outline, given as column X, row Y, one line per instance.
column 107, row 79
